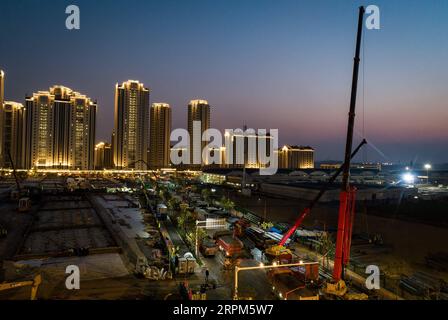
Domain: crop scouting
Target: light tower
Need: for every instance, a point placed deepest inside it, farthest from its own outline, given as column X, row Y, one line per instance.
column 427, row 167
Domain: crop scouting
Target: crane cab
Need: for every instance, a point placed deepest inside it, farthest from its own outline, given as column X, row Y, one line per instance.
column 279, row 253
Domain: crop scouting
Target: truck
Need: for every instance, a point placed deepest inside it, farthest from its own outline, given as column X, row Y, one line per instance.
column 231, row 246
column 208, row 247
column 162, row 211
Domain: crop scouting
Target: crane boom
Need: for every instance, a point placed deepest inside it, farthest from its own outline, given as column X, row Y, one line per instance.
column 347, row 195
column 308, row 209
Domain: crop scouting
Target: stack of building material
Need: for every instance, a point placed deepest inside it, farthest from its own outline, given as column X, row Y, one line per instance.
column 438, row 261
column 421, row 284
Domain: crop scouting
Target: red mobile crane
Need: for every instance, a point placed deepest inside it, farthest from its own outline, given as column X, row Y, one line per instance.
column 347, row 195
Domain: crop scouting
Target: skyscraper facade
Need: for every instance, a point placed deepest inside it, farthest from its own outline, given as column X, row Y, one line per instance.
column 131, row 125
column 103, row 156
column 198, row 110
column 245, row 151
column 60, row 130
column 159, row 139
column 2, row 100
column 2, row 87
column 296, row 157
column 13, row 116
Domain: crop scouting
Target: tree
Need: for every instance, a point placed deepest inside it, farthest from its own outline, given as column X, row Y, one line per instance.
column 267, row 225
column 206, row 194
column 227, row 204
column 194, row 188
column 183, row 219
column 174, row 203
column 165, row 195
column 202, row 234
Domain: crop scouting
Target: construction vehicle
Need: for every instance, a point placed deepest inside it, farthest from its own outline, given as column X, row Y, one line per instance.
column 280, row 249
column 208, row 247
column 347, row 202
column 231, row 247
column 337, row 286
column 35, row 283
column 162, row 211
column 240, row 227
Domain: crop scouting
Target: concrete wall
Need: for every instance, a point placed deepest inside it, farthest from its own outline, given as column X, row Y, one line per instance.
column 304, row 193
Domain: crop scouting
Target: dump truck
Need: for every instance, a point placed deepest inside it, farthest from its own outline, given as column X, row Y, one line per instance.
column 231, row 246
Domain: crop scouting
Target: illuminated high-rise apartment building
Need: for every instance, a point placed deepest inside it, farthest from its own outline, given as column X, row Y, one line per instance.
column 103, row 156
column 60, row 130
column 2, row 100
column 245, row 149
column 131, row 125
column 198, row 110
column 12, row 123
column 296, row 157
column 2, row 86
column 159, row 139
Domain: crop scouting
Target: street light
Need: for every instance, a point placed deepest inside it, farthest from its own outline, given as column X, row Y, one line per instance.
column 427, row 167
column 263, row 266
column 408, row 178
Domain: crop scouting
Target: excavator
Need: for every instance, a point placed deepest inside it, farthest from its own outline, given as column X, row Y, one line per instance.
column 347, row 199
column 35, row 283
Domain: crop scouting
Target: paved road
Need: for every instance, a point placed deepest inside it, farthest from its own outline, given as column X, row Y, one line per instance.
column 16, row 224
column 254, row 284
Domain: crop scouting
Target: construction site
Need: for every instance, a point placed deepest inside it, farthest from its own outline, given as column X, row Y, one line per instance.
column 168, row 235
column 134, row 238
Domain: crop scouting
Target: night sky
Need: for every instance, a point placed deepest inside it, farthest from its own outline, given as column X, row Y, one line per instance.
column 268, row 64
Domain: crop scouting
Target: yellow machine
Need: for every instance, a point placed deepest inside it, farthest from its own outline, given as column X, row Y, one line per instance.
column 199, row 296
column 310, row 298
column 356, row 296
column 339, row 289
column 278, row 251
column 34, row 285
